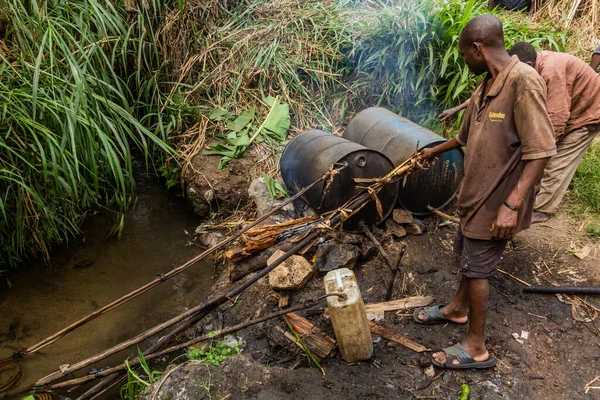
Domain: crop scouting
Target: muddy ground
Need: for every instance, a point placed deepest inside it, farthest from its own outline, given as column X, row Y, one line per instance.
column 559, row 358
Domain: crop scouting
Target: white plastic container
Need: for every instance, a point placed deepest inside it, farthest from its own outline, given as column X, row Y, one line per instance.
column 348, row 316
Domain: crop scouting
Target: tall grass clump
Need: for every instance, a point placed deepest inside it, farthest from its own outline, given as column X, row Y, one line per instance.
column 585, row 186
column 232, row 58
column 406, row 55
column 68, row 119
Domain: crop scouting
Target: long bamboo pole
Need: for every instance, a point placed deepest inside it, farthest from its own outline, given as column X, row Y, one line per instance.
column 354, row 205
column 339, row 216
column 199, row 339
column 162, row 278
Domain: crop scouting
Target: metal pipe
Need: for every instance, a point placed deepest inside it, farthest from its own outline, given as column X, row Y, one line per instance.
column 590, row 290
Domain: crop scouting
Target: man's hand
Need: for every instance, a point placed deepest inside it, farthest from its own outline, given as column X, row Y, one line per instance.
column 447, row 114
column 505, row 224
column 427, row 156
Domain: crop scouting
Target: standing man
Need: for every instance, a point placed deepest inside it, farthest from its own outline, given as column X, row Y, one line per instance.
column 574, row 109
column 508, row 138
column 573, row 93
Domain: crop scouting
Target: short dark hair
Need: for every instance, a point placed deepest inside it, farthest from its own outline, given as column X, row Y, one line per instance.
column 485, row 29
column 525, row 51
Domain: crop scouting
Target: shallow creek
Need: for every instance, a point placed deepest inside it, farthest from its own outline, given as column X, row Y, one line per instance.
column 93, row 271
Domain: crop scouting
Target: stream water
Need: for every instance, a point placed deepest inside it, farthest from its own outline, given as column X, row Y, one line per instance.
column 93, row 271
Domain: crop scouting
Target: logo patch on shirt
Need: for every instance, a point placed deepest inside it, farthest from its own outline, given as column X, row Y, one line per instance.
column 496, row 116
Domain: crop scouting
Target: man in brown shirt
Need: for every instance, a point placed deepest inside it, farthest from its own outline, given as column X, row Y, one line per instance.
column 574, row 109
column 508, row 138
column 573, row 96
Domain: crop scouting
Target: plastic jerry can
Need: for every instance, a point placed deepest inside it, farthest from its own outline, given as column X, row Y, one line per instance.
column 348, row 316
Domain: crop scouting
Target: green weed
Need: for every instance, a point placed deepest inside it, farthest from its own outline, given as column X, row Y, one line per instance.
column 213, row 353
column 406, row 56
column 585, row 186
column 593, row 230
column 74, row 80
column 137, row 382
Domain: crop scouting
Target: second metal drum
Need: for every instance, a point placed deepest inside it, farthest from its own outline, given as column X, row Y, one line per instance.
column 309, row 156
column 398, row 138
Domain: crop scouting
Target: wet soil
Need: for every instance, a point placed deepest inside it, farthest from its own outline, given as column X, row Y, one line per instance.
column 558, row 359
column 92, row 272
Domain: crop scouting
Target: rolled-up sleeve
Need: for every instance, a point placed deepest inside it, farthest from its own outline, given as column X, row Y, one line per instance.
column 597, row 49
column 533, row 125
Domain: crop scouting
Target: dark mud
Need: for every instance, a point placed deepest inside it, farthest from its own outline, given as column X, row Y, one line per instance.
column 560, row 356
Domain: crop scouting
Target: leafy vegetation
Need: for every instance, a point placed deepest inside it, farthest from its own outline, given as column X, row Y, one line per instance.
column 242, row 130
column 76, row 95
column 585, row 190
column 406, row 56
column 213, row 353
column 138, row 381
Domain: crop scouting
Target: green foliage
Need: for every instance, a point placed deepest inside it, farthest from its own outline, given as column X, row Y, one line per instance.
column 406, row 56
column 275, row 189
column 465, row 392
column 585, row 186
column 242, row 131
column 137, row 381
column 213, row 353
column 593, row 230
column 71, row 88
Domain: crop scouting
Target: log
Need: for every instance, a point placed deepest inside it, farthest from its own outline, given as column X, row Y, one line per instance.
column 284, row 339
column 400, row 304
column 251, row 264
column 403, row 340
column 317, row 341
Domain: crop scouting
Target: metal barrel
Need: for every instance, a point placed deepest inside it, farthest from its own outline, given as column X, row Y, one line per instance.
column 398, row 138
column 308, row 156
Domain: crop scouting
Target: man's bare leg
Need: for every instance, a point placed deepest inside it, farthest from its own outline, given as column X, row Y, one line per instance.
column 478, row 292
column 456, row 311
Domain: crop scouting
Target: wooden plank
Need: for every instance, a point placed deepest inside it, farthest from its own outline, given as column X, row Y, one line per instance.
column 403, row 340
column 317, row 341
column 401, row 304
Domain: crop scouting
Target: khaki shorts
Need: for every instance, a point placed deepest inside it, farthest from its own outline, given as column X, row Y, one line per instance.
column 478, row 258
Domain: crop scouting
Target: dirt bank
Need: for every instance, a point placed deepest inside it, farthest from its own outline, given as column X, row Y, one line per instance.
column 556, row 361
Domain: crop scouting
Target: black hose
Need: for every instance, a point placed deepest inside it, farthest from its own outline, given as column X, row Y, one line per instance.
column 562, row 290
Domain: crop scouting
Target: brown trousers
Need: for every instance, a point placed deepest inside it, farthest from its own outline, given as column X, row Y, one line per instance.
column 562, row 166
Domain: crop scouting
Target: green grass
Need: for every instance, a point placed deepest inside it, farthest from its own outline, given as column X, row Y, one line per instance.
column 405, row 56
column 76, row 96
column 585, row 188
column 213, row 353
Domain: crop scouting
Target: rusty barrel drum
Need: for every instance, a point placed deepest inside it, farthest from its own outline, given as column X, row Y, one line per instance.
column 308, row 156
column 398, row 138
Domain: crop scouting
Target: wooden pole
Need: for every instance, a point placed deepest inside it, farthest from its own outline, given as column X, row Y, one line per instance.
column 199, row 339
column 162, row 278
column 203, row 308
column 353, row 205
column 444, row 215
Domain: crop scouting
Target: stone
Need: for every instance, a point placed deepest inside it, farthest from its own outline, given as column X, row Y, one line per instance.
column 291, row 274
column 259, row 193
column 402, row 216
column 414, row 229
column 395, row 229
column 210, row 239
column 335, row 255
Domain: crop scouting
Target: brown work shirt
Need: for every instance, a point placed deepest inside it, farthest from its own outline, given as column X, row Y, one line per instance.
column 573, row 93
column 501, row 131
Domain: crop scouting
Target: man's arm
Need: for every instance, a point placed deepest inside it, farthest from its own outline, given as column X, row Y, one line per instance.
column 451, row 111
column 427, row 155
column 506, row 220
